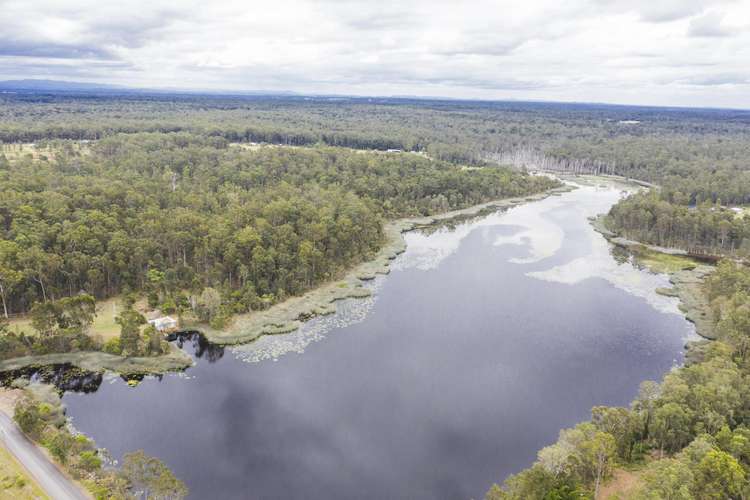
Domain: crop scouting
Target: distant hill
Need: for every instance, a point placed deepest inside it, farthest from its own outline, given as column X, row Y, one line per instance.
column 56, row 85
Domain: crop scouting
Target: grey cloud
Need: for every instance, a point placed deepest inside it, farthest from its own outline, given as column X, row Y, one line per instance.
column 138, row 30
column 98, row 32
column 708, row 25
column 716, row 80
column 487, row 48
column 660, row 11
column 13, row 68
column 445, row 76
column 386, row 74
column 493, row 84
column 380, row 21
column 52, row 50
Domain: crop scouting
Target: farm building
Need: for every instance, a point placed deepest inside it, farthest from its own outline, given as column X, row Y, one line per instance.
column 164, row 323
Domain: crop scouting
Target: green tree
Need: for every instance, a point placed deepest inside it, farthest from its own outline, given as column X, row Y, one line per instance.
column 130, row 322
column 77, row 312
column 667, row 479
column 10, row 275
column 209, row 303
column 597, row 455
column 60, row 446
column 69, row 316
column 533, row 483
column 671, row 427
column 150, row 478
column 620, row 423
column 153, row 340
column 718, row 476
column 28, row 417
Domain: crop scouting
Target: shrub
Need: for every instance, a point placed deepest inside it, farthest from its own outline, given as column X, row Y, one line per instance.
column 113, row 346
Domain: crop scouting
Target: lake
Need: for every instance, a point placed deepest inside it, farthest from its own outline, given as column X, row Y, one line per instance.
column 485, row 340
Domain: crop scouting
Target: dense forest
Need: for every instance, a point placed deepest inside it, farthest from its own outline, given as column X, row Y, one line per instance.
column 703, row 153
column 690, row 434
column 702, row 229
column 174, row 214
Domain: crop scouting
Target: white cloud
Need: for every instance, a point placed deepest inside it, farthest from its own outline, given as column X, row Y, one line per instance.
column 649, row 52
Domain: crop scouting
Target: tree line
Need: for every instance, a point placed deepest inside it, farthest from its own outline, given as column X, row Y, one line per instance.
column 639, row 142
column 706, row 228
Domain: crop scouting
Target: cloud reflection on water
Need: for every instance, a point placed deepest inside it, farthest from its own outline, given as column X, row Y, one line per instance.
column 536, row 228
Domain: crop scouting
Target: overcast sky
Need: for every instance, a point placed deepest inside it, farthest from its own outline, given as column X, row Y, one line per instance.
column 664, row 52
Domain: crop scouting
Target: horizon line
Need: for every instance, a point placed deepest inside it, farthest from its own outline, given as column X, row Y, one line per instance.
column 113, row 88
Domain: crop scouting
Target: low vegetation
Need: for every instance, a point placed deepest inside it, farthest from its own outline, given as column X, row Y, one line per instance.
column 15, row 482
column 660, row 262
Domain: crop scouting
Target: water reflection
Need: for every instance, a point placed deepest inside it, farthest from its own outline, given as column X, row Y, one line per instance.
column 66, row 377
column 197, row 344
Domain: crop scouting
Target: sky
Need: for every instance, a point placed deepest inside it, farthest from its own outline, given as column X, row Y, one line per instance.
column 652, row 52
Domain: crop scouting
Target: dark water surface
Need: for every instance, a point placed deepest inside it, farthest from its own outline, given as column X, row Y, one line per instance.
column 482, row 343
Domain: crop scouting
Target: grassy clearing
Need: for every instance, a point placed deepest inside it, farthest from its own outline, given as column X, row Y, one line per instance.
column 664, row 263
column 248, row 146
column 39, row 152
column 15, row 482
column 622, row 485
column 257, row 146
column 43, row 151
column 15, row 152
column 104, row 323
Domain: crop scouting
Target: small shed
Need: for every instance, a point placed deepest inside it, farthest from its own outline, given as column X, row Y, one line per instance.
column 164, row 323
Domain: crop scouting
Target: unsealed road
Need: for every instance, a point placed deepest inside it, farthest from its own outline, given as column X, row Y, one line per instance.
column 49, row 477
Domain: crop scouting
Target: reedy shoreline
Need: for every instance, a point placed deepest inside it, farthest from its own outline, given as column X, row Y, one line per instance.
column 686, row 283
column 284, row 317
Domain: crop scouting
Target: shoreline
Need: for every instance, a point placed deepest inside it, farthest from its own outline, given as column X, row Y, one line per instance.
column 284, row 317
column 686, row 283
column 289, row 315
column 95, row 361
